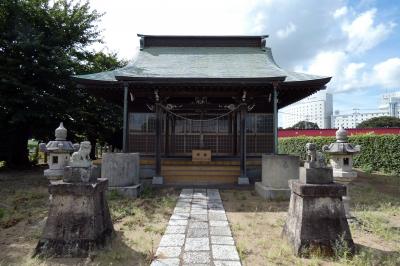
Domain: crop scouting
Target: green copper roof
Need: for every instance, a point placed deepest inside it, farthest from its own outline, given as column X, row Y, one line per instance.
column 201, row 63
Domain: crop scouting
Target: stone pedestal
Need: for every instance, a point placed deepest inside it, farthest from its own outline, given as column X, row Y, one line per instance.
column 316, row 218
column 78, row 174
column 122, row 171
column 276, row 171
column 346, row 199
column 78, row 222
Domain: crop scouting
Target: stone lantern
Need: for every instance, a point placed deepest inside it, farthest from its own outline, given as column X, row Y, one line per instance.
column 341, row 159
column 79, row 221
column 58, row 151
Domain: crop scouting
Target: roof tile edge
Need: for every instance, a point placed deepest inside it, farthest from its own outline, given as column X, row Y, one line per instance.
column 256, row 41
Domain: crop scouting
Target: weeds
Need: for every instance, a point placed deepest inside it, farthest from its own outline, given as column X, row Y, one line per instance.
column 151, row 254
column 378, row 224
column 243, row 251
column 341, row 249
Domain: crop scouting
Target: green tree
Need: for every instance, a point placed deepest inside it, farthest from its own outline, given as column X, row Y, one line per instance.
column 304, row 125
column 382, row 121
column 93, row 118
column 43, row 43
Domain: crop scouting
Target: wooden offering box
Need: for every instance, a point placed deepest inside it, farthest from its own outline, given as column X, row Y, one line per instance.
column 201, row 155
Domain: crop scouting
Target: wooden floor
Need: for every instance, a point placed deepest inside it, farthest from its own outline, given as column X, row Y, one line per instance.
column 185, row 171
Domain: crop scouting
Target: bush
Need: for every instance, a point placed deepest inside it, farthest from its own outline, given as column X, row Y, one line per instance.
column 378, row 152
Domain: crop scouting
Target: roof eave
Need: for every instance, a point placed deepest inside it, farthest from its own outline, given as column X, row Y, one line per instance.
column 203, row 36
column 322, row 80
column 154, row 80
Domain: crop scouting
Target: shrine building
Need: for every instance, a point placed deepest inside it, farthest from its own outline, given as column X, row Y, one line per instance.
column 201, row 109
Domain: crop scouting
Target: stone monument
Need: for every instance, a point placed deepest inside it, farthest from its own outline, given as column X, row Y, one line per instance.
column 79, row 220
column 122, row 172
column 58, row 152
column 341, row 159
column 277, row 169
column 316, row 218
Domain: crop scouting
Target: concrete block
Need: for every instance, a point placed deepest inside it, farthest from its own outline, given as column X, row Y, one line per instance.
column 197, row 232
column 194, row 257
column 121, row 169
column 129, row 191
column 175, row 229
column 220, row 231
column 316, row 175
column 242, row 180
column 224, row 252
column 338, row 173
column 157, row 180
column 172, row 240
column 277, row 169
column 168, row 252
column 222, row 240
column 333, row 190
column 166, row 262
column 270, row 193
column 197, row 244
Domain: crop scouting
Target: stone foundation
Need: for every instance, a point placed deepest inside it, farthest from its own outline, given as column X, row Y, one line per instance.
column 78, row 222
column 316, row 218
column 270, row 193
column 129, row 191
column 122, row 171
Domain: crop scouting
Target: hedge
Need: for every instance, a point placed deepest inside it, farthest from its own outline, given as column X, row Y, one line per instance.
column 378, row 152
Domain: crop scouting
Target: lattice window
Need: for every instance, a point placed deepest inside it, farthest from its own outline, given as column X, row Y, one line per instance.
column 210, row 142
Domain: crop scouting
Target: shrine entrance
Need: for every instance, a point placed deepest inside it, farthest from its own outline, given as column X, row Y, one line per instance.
column 214, row 132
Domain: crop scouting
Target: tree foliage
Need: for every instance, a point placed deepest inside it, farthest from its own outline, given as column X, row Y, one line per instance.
column 378, row 122
column 304, row 125
column 43, row 43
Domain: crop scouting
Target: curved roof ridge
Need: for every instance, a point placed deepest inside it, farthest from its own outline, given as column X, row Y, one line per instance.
column 268, row 52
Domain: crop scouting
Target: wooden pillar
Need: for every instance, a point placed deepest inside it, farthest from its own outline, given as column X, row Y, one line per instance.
column 158, row 139
column 125, row 144
column 243, row 175
column 234, row 132
column 166, row 139
column 275, row 103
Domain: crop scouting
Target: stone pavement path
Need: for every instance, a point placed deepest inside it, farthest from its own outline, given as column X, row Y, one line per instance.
column 198, row 232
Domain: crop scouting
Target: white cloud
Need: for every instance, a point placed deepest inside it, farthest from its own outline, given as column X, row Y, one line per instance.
column 340, row 12
column 284, row 33
column 296, row 34
column 387, row 73
column 363, row 33
column 327, row 63
column 125, row 18
column 323, row 37
column 353, row 69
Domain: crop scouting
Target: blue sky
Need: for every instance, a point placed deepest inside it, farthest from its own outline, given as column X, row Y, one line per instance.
column 355, row 42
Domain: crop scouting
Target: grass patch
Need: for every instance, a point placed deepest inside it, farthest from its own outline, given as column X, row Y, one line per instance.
column 139, row 223
column 257, row 225
column 377, row 223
